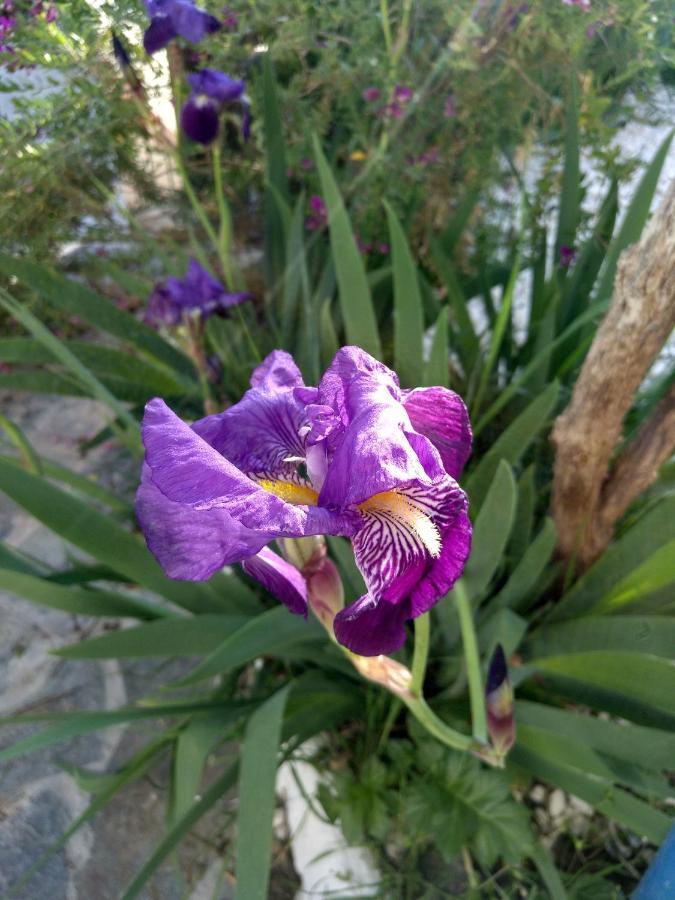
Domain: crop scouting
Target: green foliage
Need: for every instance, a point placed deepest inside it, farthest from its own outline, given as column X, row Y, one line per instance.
column 591, row 661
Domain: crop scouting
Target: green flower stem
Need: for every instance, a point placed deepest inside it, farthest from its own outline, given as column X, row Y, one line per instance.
column 436, row 727
column 420, row 654
column 225, row 218
column 199, row 210
column 476, row 692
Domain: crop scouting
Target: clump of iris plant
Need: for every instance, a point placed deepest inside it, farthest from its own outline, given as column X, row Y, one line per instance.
column 212, row 91
column 176, row 18
column 355, row 456
column 196, row 294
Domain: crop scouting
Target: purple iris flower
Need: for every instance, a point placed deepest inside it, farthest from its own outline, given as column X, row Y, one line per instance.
column 173, row 18
column 197, row 292
column 355, row 456
column 211, row 91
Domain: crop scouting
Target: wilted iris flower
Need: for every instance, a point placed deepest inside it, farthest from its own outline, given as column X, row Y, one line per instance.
column 211, row 91
column 174, row 18
column 355, row 456
column 197, row 293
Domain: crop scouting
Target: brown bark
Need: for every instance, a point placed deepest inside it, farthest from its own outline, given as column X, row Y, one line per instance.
column 587, row 499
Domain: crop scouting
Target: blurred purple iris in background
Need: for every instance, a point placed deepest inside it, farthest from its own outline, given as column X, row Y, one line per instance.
column 211, row 91
column 319, row 216
column 198, row 292
column 174, row 18
column 355, row 456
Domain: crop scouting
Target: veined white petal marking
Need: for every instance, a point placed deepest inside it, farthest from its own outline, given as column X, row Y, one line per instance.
column 401, row 510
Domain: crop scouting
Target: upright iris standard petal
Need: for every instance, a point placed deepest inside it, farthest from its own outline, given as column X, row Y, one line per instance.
column 261, row 433
column 171, row 18
column 158, row 34
column 441, row 415
column 216, row 85
column 280, row 578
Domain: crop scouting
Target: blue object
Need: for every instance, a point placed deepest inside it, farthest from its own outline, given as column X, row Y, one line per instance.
column 659, row 880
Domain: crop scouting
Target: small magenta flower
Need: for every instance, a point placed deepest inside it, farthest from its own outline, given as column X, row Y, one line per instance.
column 52, row 13
column 568, row 256
column 499, row 704
column 371, row 94
column 402, row 93
column 197, row 293
column 230, row 19
column 585, row 5
column 355, row 456
column 318, row 219
column 173, row 18
column 211, row 91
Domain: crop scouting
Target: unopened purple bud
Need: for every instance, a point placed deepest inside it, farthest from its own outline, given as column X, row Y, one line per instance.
column 326, row 594
column 499, row 704
column 402, row 93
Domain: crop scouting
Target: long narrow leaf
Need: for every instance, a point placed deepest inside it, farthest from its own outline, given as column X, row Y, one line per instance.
column 408, row 317
column 259, row 754
column 355, row 300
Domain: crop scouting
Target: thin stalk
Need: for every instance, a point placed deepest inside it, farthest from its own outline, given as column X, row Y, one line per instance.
column 420, row 654
column 224, row 216
column 195, row 332
column 386, row 27
column 436, row 727
column 249, row 337
column 199, row 210
column 471, row 655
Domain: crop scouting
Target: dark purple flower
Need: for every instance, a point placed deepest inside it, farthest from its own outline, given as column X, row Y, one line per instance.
column 371, row 94
column 173, row 18
column 499, row 704
column 198, row 292
column 355, row 456
column 36, row 9
column 52, row 13
column 392, row 110
column 318, row 219
column 567, row 256
column 211, row 91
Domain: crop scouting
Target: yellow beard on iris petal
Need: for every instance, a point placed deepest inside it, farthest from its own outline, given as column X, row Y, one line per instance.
column 403, row 510
column 297, row 494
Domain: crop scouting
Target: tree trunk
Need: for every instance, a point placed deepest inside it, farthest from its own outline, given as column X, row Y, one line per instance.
column 588, row 498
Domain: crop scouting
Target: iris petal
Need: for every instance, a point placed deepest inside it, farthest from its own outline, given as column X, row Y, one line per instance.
column 187, row 470
column 280, row 578
column 370, row 628
column 261, row 433
column 440, row 415
column 158, row 34
column 190, row 544
column 199, row 120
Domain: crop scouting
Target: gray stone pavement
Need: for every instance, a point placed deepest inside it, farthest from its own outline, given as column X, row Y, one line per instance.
column 38, row 798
